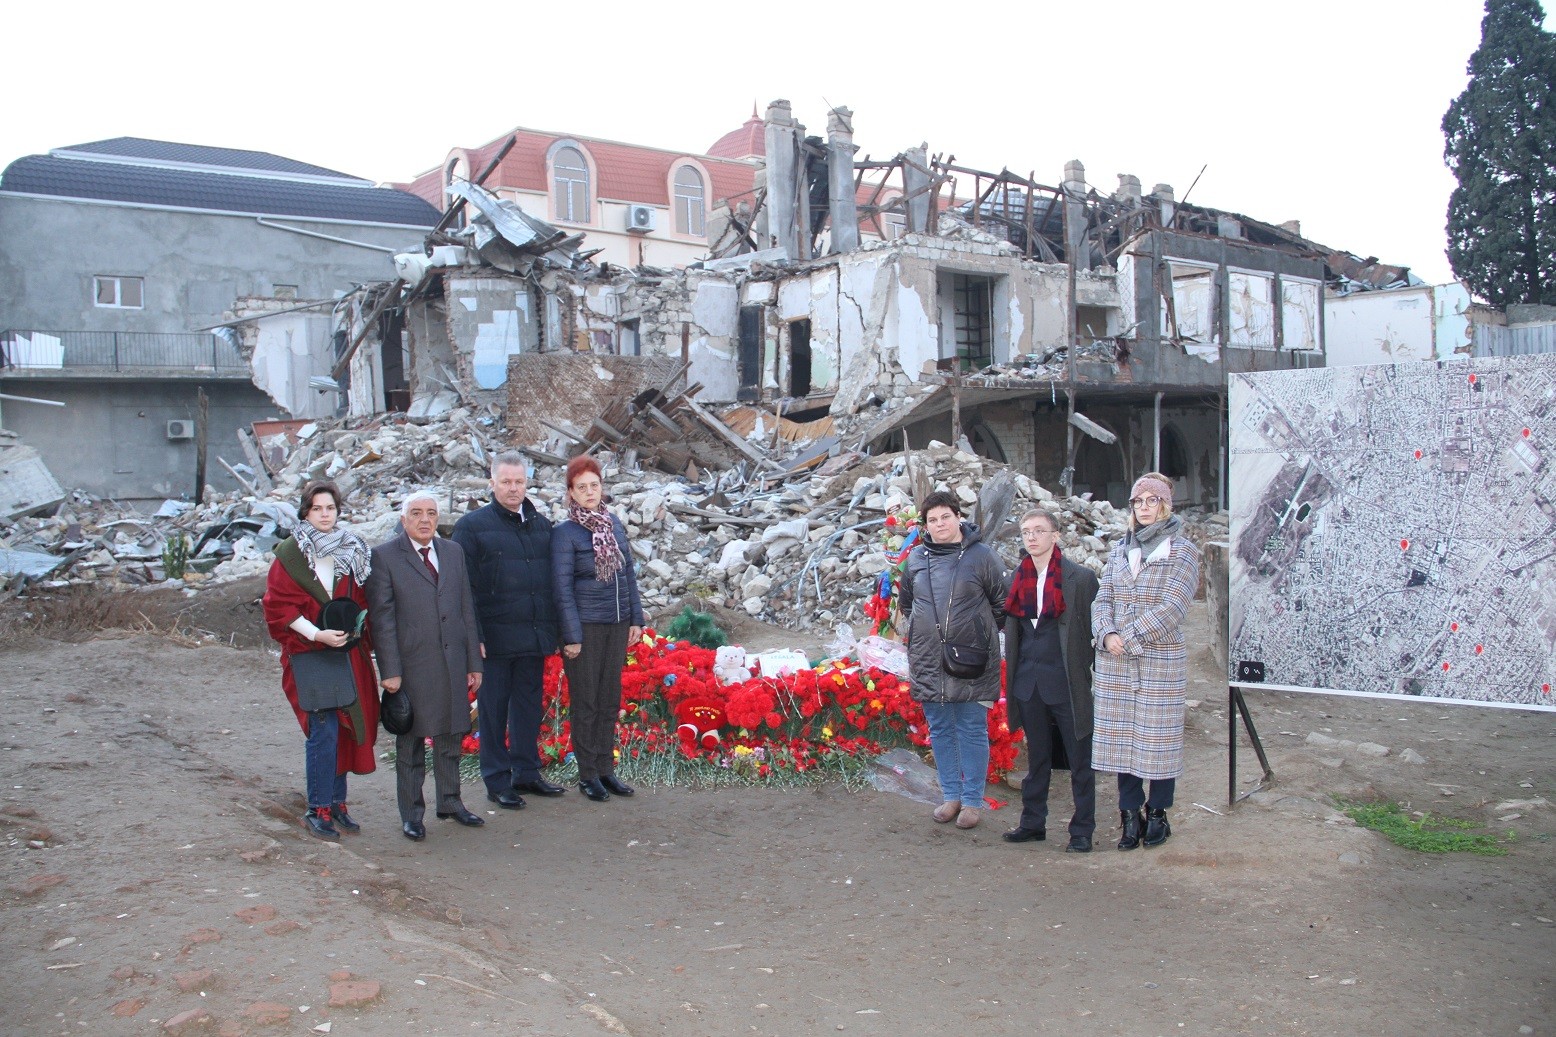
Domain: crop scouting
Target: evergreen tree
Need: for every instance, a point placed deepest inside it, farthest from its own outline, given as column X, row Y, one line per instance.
column 1501, row 144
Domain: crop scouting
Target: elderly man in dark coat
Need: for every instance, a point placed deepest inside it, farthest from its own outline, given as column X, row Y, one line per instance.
column 428, row 647
column 508, row 547
column 1048, row 657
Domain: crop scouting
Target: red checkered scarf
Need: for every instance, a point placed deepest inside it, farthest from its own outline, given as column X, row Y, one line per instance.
column 1022, row 600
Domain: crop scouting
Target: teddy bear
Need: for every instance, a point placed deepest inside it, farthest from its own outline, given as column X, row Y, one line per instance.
column 699, row 720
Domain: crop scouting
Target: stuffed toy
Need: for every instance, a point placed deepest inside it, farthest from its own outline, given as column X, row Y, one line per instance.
column 699, row 720
column 729, row 665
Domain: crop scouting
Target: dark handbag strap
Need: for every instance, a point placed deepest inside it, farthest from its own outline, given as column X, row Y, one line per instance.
column 929, row 579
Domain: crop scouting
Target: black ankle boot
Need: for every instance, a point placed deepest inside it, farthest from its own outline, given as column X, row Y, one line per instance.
column 1156, row 827
column 1134, row 824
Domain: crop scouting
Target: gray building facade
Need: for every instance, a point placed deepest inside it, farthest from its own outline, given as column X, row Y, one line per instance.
column 117, row 258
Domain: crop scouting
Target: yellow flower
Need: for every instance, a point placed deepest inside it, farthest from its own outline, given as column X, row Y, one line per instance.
column 826, row 732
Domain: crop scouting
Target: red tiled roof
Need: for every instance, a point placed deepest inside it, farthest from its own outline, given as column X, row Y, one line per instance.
column 626, row 172
column 749, row 141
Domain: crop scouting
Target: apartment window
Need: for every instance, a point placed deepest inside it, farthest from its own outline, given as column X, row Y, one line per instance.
column 893, row 225
column 570, row 173
column 122, row 293
column 691, row 204
column 972, row 320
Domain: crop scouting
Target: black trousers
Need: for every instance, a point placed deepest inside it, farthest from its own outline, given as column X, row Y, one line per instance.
column 509, row 704
column 594, row 687
column 1039, row 718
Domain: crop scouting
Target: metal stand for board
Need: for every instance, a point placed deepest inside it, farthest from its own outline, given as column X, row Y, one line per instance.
column 1235, row 707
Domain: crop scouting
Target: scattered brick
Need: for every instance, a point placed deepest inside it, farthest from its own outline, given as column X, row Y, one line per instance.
column 282, row 927
column 268, row 1013
column 199, row 936
column 31, row 887
column 192, row 1021
column 22, row 812
column 255, row 915
column 123, row 972
column 340, row 975
column 353, row 993
column 199, row 979
column 128, row 1007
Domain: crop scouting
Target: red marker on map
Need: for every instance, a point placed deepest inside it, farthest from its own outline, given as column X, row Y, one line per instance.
column 1472, row 379
column 1545, row 688
column 1526, row 433
column 1454, row 627
column 1447, row 666
column 1479, row 649
column 1418, row 455
column 1404, row 545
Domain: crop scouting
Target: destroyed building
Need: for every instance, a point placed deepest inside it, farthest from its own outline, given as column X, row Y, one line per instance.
column 122, row 265
column 1081, row 336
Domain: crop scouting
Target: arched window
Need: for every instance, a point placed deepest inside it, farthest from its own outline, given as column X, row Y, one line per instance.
column 571, row 175
column 691, row 204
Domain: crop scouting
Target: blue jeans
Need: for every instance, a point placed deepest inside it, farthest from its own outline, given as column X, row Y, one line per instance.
column 325, row 787
column 959, row 736
column 509, row 702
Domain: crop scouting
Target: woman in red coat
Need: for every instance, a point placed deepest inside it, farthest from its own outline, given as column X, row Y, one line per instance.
column 316, row 560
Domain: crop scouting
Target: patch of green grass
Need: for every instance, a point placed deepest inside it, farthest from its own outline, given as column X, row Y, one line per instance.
column 1424, row 834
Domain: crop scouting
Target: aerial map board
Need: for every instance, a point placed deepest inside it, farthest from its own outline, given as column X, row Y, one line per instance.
column 1394, row 531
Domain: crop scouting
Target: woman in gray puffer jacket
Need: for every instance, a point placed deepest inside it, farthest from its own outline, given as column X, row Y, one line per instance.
column 954, row 591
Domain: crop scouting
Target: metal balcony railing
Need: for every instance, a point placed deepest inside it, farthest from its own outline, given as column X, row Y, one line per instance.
column 128, row 352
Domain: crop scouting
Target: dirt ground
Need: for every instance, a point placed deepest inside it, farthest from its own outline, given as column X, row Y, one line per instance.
column 154, row 870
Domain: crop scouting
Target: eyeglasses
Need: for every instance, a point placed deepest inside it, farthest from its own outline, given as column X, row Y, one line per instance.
column 1033, row 534
column 1144, row 502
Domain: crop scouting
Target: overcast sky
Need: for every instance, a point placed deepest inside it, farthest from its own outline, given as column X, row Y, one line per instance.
column 1330, row 114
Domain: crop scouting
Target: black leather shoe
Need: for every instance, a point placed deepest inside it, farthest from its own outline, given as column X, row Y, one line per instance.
column 1156, row 827
column 594, row 789
column 1079, row 844
column 507, row 799
column 342, row 820
column 414, row 830
column 319, row 825
column 1023, row 834
column 538, row 787
column 1134, row 825
column 464, row 817
column 615, row 786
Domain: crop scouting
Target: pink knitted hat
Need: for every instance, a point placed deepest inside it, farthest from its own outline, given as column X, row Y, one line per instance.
column 1151, row 485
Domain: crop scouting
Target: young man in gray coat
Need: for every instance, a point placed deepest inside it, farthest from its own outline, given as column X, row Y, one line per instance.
column 428, row 647
column 1048, row 678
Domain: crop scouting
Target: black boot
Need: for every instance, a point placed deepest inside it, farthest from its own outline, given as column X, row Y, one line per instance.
column 1134, row 824
column 1156, row 827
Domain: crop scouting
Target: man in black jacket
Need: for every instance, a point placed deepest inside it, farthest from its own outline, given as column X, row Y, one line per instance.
column 508, row 547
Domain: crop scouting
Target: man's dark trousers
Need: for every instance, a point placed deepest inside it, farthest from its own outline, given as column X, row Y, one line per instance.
column 1044, row 717
column 510, row 700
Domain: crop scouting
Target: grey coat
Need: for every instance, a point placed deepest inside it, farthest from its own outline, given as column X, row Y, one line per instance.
column 970, row 603
column 425, row 632
column 1079, row 586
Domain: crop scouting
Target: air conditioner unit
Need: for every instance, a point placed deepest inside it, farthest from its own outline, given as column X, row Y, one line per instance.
column 183, row 429
column 640, row 218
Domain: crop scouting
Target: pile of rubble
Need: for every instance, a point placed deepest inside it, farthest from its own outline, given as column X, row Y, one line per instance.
column 803, row 550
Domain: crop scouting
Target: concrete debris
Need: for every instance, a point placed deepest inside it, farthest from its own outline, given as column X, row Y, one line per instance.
column 27, row 487
column 799, row 547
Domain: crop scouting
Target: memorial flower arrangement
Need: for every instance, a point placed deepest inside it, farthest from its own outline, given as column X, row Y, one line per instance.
column 900, row 533
column 829, row 720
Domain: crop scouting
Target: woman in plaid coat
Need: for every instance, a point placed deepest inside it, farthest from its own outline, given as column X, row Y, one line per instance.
column 1142, row 663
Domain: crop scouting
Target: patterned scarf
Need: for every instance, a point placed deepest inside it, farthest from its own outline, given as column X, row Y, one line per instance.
column 607, row 556
column 348, row 551
column 1022, row 600
column 1147, row 537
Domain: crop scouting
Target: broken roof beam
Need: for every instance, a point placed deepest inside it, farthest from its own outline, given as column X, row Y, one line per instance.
column 454, row 207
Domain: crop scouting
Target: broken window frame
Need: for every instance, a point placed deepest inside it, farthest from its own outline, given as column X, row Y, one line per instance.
column 118, row 300
column 1239, row 325
column 691, row 201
